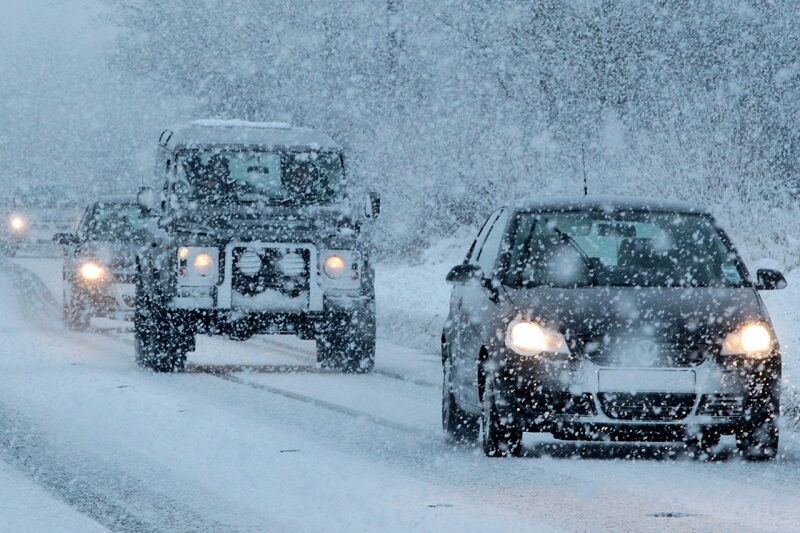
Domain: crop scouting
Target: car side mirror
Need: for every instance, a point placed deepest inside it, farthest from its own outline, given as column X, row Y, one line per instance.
column 65, row 239
column 373, row 206
column 146, row 198
column 769, row 279
column 464, row 273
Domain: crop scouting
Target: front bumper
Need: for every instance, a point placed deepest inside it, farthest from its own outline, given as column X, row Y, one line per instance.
column 574, row 397
column 113, row 299
column 223, row 300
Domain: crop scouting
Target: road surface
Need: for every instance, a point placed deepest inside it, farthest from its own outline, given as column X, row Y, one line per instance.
column 254, row 437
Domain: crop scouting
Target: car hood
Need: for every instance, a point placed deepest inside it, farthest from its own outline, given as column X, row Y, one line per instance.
column 661, row 314
column 306, row 223
column 114, row 255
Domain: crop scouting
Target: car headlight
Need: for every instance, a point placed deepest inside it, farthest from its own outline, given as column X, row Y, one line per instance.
column 198, row 265
column 17, row 223
column 91, row 271
column 530, row 338
column 334, row 266
column 754, row 340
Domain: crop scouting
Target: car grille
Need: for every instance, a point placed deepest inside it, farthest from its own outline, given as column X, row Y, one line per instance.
column 651, row 406
column 721, row 405
column 545, row 404
column 658, row 355
column 286, row 270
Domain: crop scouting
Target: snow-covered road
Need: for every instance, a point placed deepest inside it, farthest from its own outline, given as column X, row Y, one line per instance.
column 255, row 438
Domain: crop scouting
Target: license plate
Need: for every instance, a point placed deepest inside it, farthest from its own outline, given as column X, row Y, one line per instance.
column 635, row 381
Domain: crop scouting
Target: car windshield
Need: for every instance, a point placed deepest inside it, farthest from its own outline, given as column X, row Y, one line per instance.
column 275, row 177
column 624, row 249
column 116, row 223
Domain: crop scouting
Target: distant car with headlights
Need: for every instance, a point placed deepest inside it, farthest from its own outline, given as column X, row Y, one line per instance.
column 609, row 318
column 32, row 215
column 259, row 233
column 99, row 272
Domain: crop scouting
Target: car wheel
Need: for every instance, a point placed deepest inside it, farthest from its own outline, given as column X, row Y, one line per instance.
column 499, row 436
column 459, row 426
column 156, row 344
column 347, row 342
column 758, row 440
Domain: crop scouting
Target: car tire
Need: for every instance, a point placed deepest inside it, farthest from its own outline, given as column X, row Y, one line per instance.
column 757, row 440
column 347, row 342
column 459, row 426
column 499, row 437
column 156, row 344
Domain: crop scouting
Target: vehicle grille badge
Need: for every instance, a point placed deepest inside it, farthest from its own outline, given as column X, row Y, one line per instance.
column 646, row 353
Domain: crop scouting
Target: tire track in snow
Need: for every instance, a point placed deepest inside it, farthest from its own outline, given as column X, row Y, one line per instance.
column 630, row 509
column 311, row 357
column 111, row 496
column 226, row 373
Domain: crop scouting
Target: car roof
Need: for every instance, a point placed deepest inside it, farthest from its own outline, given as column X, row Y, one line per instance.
column 608, row 203
column 269, row 135
column 115, row 199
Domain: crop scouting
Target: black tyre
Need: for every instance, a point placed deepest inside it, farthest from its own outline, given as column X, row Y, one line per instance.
column 499, row 436
column 347, row 342
column 757, row 440
column 459, row 426
column 156, row 341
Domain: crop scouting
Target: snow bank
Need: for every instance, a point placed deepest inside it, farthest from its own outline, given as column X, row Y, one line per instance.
column 412, row 299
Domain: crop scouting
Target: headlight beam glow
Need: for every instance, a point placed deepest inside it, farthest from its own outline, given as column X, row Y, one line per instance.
column 754, row 340
column 530, row 338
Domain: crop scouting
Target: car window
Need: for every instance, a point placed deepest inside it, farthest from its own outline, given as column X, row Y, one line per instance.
column 87, row 215
column 621, row 249
column 488, row 253
column 477, row 244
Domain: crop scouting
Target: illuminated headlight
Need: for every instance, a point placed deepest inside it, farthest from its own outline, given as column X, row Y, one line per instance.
column 341, row 269
column 91, row 271
column 198, row 265
column 754, row 340
column 334, row 266
column 530, row 338
column 17, row 223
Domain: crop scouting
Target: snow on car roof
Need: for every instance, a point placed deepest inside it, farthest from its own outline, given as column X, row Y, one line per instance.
column 207, row 132
column 116, row 199
column 608, row 203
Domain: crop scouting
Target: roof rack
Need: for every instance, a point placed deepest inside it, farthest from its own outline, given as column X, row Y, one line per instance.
column 220, row 123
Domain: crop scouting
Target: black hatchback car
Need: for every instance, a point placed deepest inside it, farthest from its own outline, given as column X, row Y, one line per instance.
column 609, row 319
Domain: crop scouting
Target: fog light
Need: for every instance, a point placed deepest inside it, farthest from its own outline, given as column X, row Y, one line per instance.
column 249, row 263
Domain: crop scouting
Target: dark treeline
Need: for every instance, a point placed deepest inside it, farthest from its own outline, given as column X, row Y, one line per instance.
column 450, row 107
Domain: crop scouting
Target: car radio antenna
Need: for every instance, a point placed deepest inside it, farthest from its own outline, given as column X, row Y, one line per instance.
column 583, row 162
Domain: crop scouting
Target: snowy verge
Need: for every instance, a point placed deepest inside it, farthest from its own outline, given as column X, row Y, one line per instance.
column 412, row 300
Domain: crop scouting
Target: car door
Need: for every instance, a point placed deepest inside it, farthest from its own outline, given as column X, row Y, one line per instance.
column 456, row 316
column 476, row 304
column 72, row 254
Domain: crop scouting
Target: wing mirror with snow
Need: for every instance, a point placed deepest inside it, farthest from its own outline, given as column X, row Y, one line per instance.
column 464, row 273
column 769, row 279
